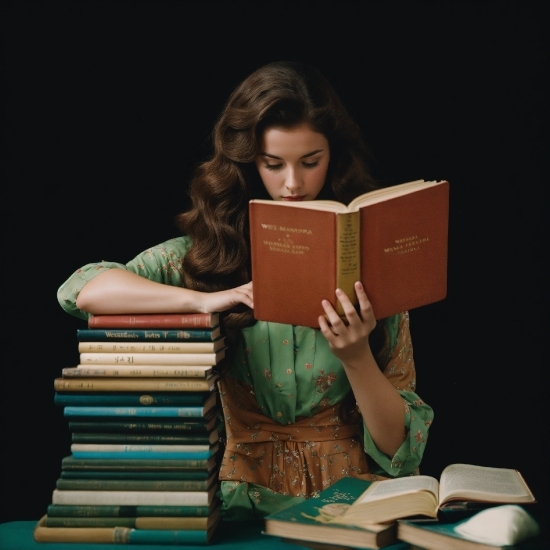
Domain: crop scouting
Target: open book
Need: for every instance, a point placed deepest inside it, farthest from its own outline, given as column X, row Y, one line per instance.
column 393, row 240
column 389, row 500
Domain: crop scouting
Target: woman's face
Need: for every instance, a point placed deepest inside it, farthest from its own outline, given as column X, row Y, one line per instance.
column 293, row 163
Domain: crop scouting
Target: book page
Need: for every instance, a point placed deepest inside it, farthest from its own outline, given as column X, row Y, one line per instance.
column 382, row 489
column 481, row 482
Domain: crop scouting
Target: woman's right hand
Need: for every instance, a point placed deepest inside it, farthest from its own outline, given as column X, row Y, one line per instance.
column 224, row 300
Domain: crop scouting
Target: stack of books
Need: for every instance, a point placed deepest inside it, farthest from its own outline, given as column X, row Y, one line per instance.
column 144, row 416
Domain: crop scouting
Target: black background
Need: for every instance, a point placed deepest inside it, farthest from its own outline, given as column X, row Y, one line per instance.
column 108, row 105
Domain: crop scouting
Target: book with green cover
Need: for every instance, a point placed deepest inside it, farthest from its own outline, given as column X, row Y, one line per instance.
column 136, row 484
column 118, row 511
column 431, row 534
column 159, row 476
column 307, row 520
column 137, row 465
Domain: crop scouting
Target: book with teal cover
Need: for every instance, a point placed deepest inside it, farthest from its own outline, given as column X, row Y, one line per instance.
column 144, row 412
column 145, row 455
column 138, row 399
column 431, row 534
column 307, row 520
column 91, row 335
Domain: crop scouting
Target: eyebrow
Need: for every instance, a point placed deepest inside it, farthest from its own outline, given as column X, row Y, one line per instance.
column 264, row 154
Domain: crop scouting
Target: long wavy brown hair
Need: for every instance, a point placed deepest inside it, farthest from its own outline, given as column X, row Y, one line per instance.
column 282, row 94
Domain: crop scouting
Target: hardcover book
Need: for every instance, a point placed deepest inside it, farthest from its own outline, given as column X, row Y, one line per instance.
column 135, row 384
column 151, row 347
column 90, row 510
column 394, row 240
column 136, row 465
column 165, row 359
column 155, row 321
column 135, row 498
column 122, row 535
column 436, row 535
column 160, row 426
column 133, row 439
column 310, row 520
column 136, row 399
column 138, row 335
column 459, row 485
column 192, row 411
column 136, row 484
column 138, row 371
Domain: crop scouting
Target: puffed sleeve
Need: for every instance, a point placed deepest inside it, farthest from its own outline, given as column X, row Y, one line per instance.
column 161, row 263
column 400, row 370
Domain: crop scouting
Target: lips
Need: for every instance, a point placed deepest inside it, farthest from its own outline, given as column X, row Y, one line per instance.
column 294, row 198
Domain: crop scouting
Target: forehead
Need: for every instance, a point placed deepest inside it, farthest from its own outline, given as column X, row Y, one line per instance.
column 284, row 141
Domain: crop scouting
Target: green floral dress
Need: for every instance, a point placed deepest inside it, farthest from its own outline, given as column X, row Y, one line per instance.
column 285, row 440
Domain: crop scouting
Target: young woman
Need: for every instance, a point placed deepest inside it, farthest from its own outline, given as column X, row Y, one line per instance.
column 303, row 407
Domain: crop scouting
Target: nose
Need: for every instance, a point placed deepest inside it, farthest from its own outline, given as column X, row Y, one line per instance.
column 293, row 181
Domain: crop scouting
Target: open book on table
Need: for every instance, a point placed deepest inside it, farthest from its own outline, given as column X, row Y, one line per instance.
column 459, row 484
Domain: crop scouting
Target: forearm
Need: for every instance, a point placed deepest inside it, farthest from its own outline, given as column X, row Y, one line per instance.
column 120, row 291
column 380, row 404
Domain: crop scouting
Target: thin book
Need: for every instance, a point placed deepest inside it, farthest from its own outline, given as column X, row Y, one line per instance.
column 155, row 321
column 153, row 335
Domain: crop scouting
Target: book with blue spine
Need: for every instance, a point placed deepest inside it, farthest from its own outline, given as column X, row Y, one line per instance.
column 131, row 399
column 159, row 412
column 150, row 452
column 138, row 335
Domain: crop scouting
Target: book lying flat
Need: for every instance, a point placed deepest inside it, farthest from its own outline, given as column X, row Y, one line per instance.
column 138, row 371
column 155, row 321
column 138, row 522
column 151, row 347
column 435, row 535
column 135, row 498
column 136, row 399
column 136, row 465
column 149, row 452
column 308, row 520
column 164, row 359
column 459, row 485
column 122, row 535
column 133, row 439
column 138, row 335
column 394, row 240
column 114, row 511
column 160, row 384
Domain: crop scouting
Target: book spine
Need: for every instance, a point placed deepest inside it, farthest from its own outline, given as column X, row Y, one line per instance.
column 89, row 522
column 121, row 475
column 348, row 258
column 197, row 425
column 122, row 448
column 149, row 455
column 137, row 399
column 164, row 359
column 177, row 412
column 192, row 439
column 89, row 510
column 169, row 321
column 132, row 347
column 92, row 335
column 137, row 371
column 131, row 485
column 161, row 536
column 131, row 464
column 144, row 384
column 135, row 498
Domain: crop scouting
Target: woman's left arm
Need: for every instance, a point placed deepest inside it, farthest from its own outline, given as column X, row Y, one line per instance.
column 384, row 402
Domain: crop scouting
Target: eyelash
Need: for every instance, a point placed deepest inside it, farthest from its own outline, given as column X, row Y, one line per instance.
column 308, row 165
